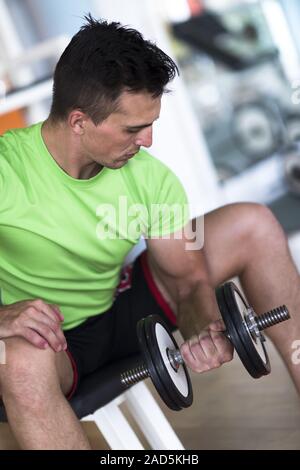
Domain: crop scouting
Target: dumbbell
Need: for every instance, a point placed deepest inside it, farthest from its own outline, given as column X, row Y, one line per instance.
column 162, row 360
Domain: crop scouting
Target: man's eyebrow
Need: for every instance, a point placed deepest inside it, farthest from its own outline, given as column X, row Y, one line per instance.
column 142, row 126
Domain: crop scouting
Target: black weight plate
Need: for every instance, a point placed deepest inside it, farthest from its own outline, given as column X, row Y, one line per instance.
column 156, row 332
column 155, row 327
column 235, row 338
column 255, row 347
column 153, row 372
column 231, row 304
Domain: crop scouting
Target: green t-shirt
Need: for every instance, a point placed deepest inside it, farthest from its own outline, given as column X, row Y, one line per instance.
column 64, row 240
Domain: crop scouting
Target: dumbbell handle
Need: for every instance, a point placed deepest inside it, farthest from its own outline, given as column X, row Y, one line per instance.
column 254, row 323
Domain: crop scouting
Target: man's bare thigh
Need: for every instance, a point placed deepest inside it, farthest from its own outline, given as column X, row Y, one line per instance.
column 64, row 370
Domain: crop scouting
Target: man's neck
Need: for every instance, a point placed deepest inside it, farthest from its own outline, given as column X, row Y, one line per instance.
column 64, row 151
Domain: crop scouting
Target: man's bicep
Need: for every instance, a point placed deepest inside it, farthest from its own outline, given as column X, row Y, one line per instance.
column 172, row 258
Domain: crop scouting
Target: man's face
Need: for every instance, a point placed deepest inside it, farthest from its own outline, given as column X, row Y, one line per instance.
column 112, row 142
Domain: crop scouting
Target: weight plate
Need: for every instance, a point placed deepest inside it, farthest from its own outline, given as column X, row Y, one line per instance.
column 251, row 351
column 165, row 344
column 175, row 384
column 256, row 129
column 292, row 170
column 153, row 372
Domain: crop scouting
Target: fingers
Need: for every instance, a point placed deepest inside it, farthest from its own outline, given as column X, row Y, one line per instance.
column 58, row 312
column 207, row 351
column 52, row 311
column 45, row 320
column 34, row 338
column 55, row 328
column 45, row 332
column 223, row 347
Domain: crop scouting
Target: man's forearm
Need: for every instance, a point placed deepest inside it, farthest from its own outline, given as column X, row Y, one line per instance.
column 197, row 309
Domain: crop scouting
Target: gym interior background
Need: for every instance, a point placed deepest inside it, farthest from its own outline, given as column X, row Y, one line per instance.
column 231, row 132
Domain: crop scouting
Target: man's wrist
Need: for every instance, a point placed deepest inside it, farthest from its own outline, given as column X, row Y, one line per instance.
column 197, row 309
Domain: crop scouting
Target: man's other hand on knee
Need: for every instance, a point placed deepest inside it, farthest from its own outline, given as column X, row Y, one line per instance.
column 34, row 320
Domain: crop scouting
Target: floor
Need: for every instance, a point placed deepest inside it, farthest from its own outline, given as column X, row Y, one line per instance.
column 231, row 410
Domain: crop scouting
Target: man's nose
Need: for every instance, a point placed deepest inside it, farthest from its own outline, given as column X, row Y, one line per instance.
column 144, row 137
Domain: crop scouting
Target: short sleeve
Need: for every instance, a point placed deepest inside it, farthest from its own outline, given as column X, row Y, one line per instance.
column 169, row 209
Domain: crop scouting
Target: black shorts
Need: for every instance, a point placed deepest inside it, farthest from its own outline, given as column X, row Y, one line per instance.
column 110, row 336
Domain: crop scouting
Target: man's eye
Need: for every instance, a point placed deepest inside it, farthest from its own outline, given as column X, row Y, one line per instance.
column 132, row 131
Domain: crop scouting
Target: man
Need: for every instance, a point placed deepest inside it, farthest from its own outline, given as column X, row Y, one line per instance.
column 64, row 311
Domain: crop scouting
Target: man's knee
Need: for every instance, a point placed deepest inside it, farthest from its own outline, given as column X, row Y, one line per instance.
column 27, row 371
column 257, row 223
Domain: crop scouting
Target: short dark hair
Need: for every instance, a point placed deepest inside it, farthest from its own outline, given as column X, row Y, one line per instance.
column 103, row 60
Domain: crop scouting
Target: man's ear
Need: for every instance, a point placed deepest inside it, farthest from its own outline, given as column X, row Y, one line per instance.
column 77, row 121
